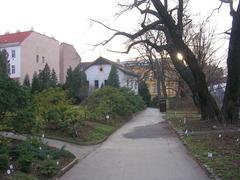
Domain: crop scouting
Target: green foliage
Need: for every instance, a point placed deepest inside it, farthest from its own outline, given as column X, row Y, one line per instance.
column 112, row 101
column 48, row 167
column 76, row 84
column 51, row 105
column 113, row 78
column 45, row 78
column 25, row 161
column 4, row 64
column 35, row 83
column 4, row 161
column 144, row 92
column 73, row 119
column 26, row 81
column 54, row 79
column 22, row 176
column 17, row 103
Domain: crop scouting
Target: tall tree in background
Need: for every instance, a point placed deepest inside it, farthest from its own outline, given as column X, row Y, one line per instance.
column 26, row 81
column 54, row 79
column 144, row 92
column 35, row 83
column 4, row 64
column 45, row 78
column 113, row 78
column 76, row 84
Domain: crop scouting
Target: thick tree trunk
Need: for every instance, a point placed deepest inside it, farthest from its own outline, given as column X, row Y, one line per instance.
column 208, row 106
column 231, row 97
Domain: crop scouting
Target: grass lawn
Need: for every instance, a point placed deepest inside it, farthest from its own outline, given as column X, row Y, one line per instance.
column 225, row 147
column 225, row 162
column 90, row 133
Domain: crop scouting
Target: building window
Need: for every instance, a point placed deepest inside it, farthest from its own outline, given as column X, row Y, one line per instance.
column 101, row 69
column 13, row 69
column 37, row 58
column 96, row 84
column 13, row 53
column 43, row 59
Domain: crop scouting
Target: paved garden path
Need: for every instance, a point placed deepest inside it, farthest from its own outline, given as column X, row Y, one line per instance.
column 144, row 149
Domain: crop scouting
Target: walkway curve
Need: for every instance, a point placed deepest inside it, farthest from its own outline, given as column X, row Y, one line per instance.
column 145, row 148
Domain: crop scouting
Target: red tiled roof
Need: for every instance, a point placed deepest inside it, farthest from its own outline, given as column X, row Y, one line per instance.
column 17, row 37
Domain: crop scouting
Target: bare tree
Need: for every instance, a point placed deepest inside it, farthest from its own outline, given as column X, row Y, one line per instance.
column 232, row 92
column 169, row 21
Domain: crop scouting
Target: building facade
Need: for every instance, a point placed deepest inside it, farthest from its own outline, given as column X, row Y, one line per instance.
column 68, row 58
column 144, row 70
column 98, row 71
column 29, row 52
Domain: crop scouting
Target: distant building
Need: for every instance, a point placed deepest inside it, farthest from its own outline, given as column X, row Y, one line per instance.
column 29, row 52
column 98, row 71
column 68, row 58
column 143, row 69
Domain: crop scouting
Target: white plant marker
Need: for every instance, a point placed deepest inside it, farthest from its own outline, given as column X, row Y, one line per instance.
column 11, row 166
column 210, row 155
column 8, row 172
column 42, row 135
column 184, row 120
column 237, row 139
column 219, row 136
column 40, row 148
column 57, row 163
column 186, row 132
column 107, row 117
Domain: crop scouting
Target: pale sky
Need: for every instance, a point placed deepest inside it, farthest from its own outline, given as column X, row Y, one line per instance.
column 69, row 21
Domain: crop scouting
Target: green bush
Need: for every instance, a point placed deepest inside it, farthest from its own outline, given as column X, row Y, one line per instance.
column 51, row 105
column 114, row 102
column 73, row 118
column 4, row 161
column 49, row 167
column 25, row 161
column 17, row 106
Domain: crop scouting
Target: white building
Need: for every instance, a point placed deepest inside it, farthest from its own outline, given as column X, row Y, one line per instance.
column 98, row 71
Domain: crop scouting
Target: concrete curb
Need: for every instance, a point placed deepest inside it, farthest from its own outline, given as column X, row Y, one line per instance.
column 66, row 168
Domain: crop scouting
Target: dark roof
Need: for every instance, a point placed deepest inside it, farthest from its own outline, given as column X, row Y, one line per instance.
column 102, row 60
column 84, row 65
column 17, row 37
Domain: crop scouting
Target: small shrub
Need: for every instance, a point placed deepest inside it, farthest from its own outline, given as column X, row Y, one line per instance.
column 25, row 161
column 22, row 176
column 48, row 167
column 4, row 161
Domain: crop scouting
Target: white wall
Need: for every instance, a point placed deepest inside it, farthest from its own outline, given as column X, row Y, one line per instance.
column 14, row 61
column 93, row 73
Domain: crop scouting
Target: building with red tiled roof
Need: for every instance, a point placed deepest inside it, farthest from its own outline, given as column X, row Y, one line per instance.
column 17, row 37
column 29, row 52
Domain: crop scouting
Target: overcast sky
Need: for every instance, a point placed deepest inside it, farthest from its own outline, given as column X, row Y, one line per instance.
column 68, row 21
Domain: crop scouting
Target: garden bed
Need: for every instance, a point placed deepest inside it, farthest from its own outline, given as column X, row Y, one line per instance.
column 31, row 159
column 215, row 146
column 90, row 133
